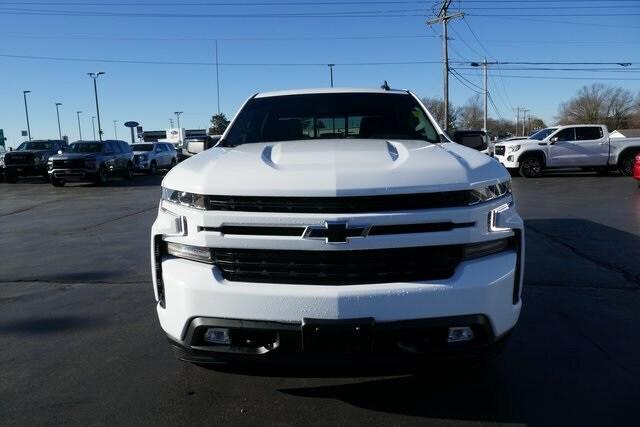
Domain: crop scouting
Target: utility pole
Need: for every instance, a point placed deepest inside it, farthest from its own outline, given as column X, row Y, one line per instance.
column 484, row 64
column 115, row 128
column 331, row 72
column 517, row 119
column 95, row 76
column 93, row 125
column 170, row 123
column 26, row 111
column 79, row 127
column 58, row 104
column 444, row 19
column 524, row 113
column 178, row 113
column 217, row 78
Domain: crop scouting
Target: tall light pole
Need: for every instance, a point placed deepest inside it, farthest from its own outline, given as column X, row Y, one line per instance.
column 484, row 64
column 115, row 128
column 79, row 127
column 331, row 72
column 93, row 125
column 95, row 76
column 58, row 104
column 26, row 111
column 178, row 113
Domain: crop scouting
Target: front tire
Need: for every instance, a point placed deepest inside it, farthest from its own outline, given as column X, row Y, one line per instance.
column 531, row 167
column 128, row 173
column 102, row 177
column 625, row 165
column 153, row 168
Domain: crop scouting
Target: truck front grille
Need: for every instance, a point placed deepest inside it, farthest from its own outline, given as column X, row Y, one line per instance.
column 499, row 150
column 68, row 164
column 338, row 267
column 18, row 159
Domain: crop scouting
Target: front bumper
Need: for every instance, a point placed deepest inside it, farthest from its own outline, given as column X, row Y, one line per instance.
column 488, row 286
column 325, row 341
column 26, row 170
column 73, row 174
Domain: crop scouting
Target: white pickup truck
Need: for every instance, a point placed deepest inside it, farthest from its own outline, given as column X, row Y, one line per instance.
column 572, row 146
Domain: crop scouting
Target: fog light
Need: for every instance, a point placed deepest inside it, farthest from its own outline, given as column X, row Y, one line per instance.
column 460, row 334
column 217, row 336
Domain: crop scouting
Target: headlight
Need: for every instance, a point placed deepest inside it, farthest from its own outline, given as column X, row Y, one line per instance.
column 143, row 157
column 183, row 198
column 485, row 194
column 194, row 253
column 512, row 148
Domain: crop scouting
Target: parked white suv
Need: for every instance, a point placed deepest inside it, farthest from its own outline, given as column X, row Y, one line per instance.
column 572, row 146
column 336, row 220
column 150, row 156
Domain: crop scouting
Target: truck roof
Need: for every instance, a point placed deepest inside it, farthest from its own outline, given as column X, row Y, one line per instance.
column 327, row 90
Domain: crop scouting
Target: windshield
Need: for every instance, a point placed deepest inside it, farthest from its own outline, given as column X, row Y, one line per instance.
column 142, row 147
column 35, row 145
column 333, row 115
column 542, row 134
column 85, row 147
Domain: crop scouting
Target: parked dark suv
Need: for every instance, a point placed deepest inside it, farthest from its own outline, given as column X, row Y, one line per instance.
column 92, row 161
column 30, row 158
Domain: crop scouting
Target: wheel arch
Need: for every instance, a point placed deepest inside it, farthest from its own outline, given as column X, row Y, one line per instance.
column 533, row 153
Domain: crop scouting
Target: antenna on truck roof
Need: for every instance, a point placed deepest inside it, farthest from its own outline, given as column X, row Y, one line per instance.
column 385, row 86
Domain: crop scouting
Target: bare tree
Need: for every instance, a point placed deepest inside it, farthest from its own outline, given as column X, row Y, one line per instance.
column 471, row 114
column 436, row 108
column 598, row 103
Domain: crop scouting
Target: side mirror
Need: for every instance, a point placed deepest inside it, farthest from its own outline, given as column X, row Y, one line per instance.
column 195, row 147
column 554, row 139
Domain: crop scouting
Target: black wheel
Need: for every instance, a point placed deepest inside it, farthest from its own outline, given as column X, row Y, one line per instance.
column 102, row 177
column 153, row 168
column 531, row 167
column 128, row 173
column 11, row 177
column 625, row 165
column 57, row 182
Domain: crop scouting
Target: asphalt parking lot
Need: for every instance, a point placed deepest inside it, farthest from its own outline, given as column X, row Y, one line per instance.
column 80, row 342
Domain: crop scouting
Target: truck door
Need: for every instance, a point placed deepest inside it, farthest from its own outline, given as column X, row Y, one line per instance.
column 562, row 148
column 592, row 147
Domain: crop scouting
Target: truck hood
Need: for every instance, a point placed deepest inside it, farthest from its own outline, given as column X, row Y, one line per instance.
column 21, row 152
column 335, row 167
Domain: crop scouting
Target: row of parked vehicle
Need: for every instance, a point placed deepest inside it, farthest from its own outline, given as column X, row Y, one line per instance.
column 588, row 147
column 96, row 161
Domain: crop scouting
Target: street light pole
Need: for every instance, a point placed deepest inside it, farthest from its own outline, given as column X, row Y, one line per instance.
column 26, row 111
column 95, row 76
column 331, row 72
column 93, row 125
column 79, row 127
column 58, row 104
column 115, row 128
column 178, row 113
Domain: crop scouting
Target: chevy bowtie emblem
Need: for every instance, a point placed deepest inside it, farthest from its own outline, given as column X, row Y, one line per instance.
column 335, row 232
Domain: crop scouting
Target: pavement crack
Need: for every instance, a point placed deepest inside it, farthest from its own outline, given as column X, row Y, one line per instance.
column 630, row 277
column 28, row 208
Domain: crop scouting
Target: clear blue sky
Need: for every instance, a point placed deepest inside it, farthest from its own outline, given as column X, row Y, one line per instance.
column 150, row 93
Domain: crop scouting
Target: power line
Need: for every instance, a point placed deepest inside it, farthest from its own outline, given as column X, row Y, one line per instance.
column 291, row 38
column 562, row 77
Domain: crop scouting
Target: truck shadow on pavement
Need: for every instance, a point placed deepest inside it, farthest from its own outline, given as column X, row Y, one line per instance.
column 572, row 359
